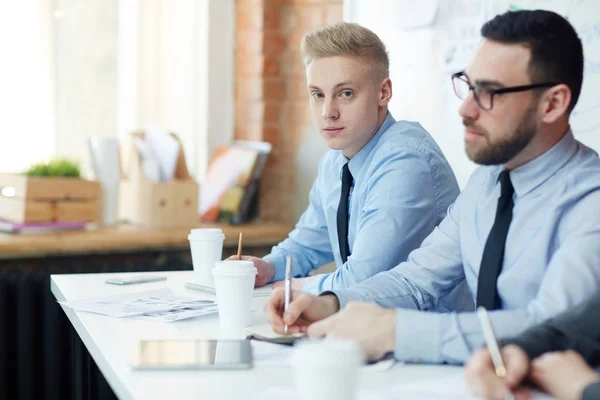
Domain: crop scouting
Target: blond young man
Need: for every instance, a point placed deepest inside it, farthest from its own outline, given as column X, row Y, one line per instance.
column 383, row 185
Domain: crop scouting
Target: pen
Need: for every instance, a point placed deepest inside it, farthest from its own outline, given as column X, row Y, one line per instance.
column 492, row 345
column 287, row 287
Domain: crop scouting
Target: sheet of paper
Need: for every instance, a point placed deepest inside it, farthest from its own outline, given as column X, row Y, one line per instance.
column 453, row 388
column 288, row 393
column 177, row 315
column 139, row 303
column 165, row 148
column 267, row 354
column 149, row 161
column 429, row 389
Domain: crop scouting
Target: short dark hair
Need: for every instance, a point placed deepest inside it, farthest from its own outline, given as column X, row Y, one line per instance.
column 556, row 50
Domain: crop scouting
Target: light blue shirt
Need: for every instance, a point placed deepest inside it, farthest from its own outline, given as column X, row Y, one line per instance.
column 551, row 259
column 402, row 188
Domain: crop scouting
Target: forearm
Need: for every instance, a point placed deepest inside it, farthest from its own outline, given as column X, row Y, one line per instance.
column 576, row 329
column 451, row 337
column 387, row 289
column 305, row 258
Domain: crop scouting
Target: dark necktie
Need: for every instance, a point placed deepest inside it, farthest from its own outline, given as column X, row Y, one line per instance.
column 342, row 213
column 493, row 253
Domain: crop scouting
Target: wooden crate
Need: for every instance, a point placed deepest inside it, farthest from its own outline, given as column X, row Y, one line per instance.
column 25, row 200
column 156, row 204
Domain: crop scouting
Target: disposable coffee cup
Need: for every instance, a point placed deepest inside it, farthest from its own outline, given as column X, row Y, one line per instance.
column 327, row 369
column 206, row 246
column 234, row 285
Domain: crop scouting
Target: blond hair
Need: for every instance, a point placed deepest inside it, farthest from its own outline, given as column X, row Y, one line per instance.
column 347, row 39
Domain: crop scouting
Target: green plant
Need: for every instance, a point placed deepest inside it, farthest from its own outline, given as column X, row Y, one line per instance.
column 61, row 167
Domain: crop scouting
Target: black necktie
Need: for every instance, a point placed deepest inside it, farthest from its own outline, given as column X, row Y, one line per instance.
column 493, row 253
column 342, row 213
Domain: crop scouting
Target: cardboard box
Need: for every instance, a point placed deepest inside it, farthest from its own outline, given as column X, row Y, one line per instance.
column 26, row 199
column 156, row 204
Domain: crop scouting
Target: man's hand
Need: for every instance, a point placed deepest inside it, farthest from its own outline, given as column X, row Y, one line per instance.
column 265, row 268
column 374, row 327
column 481, row 374
column 297, row 283
column 303, row 310
column 563, row 374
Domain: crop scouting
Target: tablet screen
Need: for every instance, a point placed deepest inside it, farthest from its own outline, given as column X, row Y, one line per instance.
column 193, row 354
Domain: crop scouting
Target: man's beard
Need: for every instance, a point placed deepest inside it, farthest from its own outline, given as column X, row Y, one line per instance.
column 504, row 151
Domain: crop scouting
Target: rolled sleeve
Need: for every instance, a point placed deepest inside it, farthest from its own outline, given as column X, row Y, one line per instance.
column 278, row 260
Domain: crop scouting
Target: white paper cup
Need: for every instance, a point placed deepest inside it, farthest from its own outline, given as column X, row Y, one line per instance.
column 326, row 369
column 206, row 246
column 234, row 284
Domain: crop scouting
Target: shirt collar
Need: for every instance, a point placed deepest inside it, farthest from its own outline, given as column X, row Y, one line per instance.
column 356, row 163
column 537, row 171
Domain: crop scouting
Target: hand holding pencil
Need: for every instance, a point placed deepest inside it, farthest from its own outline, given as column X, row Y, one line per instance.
column 492, row 372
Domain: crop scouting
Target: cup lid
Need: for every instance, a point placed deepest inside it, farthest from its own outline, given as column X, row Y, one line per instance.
column 230, row 267
column 206, row 234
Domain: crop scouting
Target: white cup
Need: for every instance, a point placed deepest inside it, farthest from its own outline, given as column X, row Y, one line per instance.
column 326, row 369
column 206, row 246
column 234, row 284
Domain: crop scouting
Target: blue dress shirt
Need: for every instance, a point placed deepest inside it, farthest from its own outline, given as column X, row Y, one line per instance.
column 551, row 259
column 402, row 188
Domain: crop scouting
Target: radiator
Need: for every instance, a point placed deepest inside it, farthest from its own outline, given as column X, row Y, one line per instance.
column 41, row 356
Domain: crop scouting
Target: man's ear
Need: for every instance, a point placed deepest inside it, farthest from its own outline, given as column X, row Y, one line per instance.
column 555, row 103
column 385, row 92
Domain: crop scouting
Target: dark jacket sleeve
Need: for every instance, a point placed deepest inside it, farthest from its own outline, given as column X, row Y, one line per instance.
column 576, row 329
column 592, row 392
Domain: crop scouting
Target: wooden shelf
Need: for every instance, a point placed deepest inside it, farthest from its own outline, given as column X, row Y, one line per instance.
column 126, row 237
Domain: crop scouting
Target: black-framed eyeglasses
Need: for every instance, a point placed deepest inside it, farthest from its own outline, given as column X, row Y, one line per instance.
column 484, row 96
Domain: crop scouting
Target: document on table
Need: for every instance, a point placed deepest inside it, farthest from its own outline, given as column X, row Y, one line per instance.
column 157, row 305
column 443, row 388
column 288, row 393
column 267, row 354
column 453, row 388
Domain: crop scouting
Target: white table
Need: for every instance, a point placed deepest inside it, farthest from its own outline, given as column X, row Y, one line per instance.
column 111, row 343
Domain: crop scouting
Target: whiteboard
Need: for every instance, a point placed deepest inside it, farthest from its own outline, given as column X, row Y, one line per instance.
column 428, row 40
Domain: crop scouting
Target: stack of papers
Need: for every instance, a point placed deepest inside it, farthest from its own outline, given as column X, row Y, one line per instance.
column 159, row 152
column 154, row 305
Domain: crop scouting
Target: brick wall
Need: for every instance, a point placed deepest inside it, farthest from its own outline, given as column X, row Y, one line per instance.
column 271, row 99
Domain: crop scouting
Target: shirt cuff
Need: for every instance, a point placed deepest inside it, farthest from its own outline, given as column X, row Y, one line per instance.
column 345, row 296
column 417, row 336
column 313, row 285
column 279, row 263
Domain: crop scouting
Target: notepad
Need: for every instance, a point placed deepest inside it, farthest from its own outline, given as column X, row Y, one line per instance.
column 265, row 333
